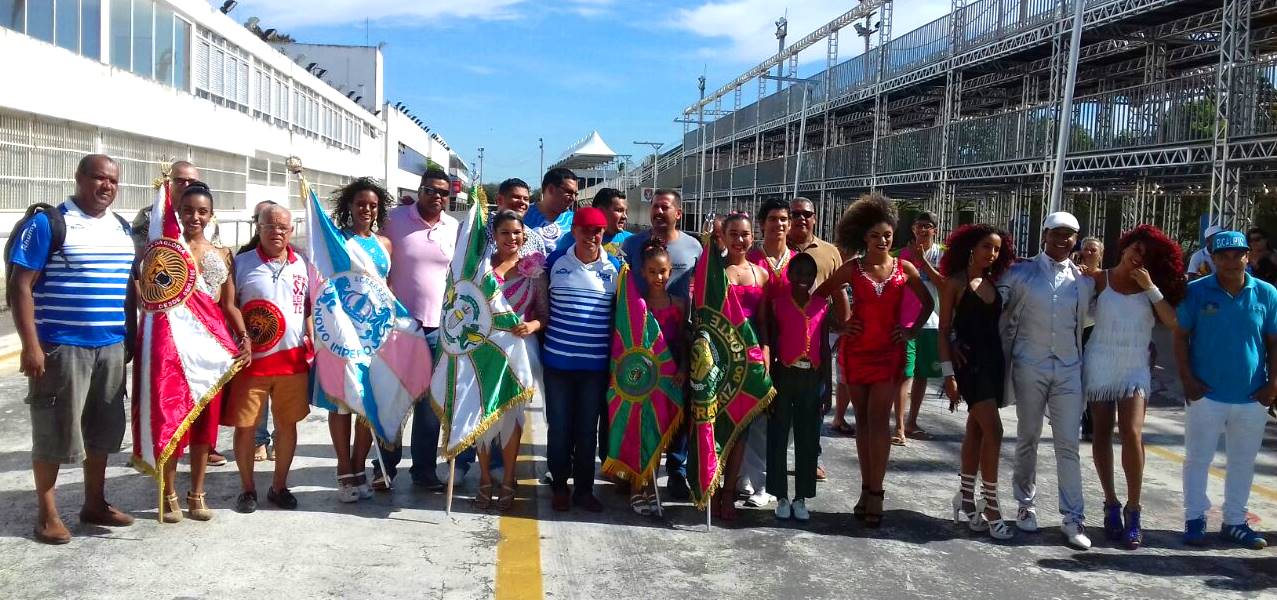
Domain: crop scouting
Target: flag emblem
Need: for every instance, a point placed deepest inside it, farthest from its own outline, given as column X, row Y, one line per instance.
column 369, row 306
column 636, row 374
column 265, row 323
column 467, row 319
column 169, row 276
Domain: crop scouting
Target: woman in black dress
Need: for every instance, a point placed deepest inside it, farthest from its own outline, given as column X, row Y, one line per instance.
column 973, row 365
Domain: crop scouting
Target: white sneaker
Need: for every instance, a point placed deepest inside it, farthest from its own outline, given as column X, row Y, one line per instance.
column 783, row 508
column 1026, row 519
column 1075, row 536
column 799, row 508
column 759, row 499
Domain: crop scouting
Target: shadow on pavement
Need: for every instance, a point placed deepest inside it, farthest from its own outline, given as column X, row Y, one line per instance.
column 1220, row 572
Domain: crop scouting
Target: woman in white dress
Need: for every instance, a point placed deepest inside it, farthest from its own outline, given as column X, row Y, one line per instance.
column 1116, row 365
column 524, row 284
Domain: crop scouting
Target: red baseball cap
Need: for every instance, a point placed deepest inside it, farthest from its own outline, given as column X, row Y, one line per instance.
column 589, row 217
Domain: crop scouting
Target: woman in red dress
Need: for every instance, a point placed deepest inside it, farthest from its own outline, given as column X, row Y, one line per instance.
column 872, row 357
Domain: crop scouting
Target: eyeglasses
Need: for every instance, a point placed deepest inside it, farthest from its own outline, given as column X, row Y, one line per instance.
column 926, row 225
column 429, row 191
column 802, row 214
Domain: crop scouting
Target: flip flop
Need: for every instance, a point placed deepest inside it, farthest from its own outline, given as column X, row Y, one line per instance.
column 897, row 441
column 844, row 428
column 918, row 434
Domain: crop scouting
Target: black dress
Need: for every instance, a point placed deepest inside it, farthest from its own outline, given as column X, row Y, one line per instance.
column 975, row 327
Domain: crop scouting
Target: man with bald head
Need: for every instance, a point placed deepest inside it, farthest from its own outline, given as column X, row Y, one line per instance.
column 183, row 173
column 75, row 344
column 270, row 286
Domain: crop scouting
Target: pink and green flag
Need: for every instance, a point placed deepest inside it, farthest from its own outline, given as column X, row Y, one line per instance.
column 645, row 404
column 729, row 381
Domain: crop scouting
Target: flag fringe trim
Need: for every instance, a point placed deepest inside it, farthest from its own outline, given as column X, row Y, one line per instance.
column 518, row 401
column 157, row 472
column 614, row 467
column 740, row 428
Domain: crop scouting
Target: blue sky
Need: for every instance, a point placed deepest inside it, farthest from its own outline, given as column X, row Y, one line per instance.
column 501, row 73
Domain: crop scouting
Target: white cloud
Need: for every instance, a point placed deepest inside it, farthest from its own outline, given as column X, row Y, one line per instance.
column 746, row 29
column 289, row 13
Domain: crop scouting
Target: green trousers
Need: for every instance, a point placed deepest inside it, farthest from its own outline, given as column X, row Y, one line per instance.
column 796, row 405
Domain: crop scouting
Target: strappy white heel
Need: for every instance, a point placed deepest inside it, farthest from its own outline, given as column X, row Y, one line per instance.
column 972, row 518
column 999, row 528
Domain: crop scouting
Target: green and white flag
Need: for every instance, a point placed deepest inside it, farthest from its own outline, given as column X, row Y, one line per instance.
column 483, row 369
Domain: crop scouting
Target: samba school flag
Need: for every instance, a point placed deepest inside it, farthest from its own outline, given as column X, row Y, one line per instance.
column 185, row 352
column 644, row 405
column 484, row 369
column 371, row 356
column 729, row 381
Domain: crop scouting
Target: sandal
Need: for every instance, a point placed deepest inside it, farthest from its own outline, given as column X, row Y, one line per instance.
column 361, row 484
column 347, row 492
column 506, row 498
column 483, row 499
column 197, row 507
column 918, row 434
column 380, row 482
column 898, row 440
column 858, row 510
column 639, row 503
column 172, row 510
column 844, row 428
column 259, row 454
column 654, row 503
column 873, row 509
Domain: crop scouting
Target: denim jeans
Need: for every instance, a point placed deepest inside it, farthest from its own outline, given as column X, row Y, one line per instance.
column 423, row 441
column 262, row 435
column 572, row 401
column 1242, row 426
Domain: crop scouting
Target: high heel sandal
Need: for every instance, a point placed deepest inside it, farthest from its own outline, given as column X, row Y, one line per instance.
column 999, row 529
column 972, row 517
column 361, row 484
column 347, row 492
column 1134, row 535
column 858, row 510
column 197, row 507
column 483, row 499
column 506, row 498
column 172, row 510
column 873, row 509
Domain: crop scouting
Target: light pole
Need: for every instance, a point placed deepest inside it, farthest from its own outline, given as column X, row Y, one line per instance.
column 541, row 145
column 479, row 175
column 782, row 29
column 656, row 164
column 802, row 123
column 700, row 190
column 1066, row 110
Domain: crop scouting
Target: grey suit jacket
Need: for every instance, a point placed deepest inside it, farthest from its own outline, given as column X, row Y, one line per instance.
column 1012, row 287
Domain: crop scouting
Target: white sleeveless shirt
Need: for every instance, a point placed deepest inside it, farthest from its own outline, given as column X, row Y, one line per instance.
column 273, row 299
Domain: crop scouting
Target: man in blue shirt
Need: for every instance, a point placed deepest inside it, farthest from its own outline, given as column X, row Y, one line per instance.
column 612, row 202
column 577, row 357
column 73, row 308
column 551, row 218
column 1226, row 348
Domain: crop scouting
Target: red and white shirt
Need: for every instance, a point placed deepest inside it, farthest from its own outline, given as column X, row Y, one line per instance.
column 272, row 297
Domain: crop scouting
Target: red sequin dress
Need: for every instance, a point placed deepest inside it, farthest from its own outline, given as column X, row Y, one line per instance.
column 872, row 357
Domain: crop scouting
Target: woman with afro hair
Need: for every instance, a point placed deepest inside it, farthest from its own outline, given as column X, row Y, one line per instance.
column 1148, row 281
column 974, row 368
column 872, row 357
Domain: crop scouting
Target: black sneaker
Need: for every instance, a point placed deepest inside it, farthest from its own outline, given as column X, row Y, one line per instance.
column 430, row 485
column 246, row 502
column 676, row 488
column 283, row 498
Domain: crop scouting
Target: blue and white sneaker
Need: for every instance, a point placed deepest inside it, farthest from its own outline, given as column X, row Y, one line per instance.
column 1243, row 535
column 1195, row 532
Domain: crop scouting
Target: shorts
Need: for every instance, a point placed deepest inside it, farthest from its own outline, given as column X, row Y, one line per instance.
column 924, row 355
column 287, row 393
column 77, row 406
column 910, row 354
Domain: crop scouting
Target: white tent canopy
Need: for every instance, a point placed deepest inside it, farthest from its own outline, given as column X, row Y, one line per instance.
column 590, row 153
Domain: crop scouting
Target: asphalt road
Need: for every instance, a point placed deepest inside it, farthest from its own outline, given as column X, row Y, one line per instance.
column 402, row 545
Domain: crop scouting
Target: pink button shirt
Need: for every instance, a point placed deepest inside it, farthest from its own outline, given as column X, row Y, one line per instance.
column 422, row 254
column 801, row 326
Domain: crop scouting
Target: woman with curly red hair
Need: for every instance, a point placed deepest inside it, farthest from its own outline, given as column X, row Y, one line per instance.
column 873, row 356
column 1143, row 287
column 973, row 365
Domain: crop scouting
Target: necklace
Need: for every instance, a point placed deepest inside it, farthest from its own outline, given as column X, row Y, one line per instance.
column 276, row 273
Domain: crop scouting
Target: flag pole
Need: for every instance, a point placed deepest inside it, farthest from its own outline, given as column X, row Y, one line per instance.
column 707, row 511
column 452, row 475
column 376, row 447
column 657, row 493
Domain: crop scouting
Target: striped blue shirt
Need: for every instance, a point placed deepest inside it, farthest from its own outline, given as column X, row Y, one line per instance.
column 582, row 296
column 79, row 297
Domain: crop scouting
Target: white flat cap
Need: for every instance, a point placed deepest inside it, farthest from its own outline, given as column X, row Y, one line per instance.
column 1061, row 219
column 1212, row 230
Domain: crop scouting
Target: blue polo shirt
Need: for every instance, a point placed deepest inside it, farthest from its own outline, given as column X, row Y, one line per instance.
column 579, row 335
column 1226, row 336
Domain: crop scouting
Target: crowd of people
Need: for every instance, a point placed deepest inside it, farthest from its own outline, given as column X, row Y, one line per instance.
column 864, row 326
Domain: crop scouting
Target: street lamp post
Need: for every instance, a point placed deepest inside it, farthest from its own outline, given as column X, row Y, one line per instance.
column 541, row 145
column 802, row 124
column 479, row 175
column 1066, row 110
column 656, row 164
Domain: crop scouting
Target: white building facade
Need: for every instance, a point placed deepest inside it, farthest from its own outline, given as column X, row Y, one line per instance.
column 150, row 81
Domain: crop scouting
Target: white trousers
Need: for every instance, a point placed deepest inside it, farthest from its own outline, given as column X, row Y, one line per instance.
column 1243, row 428
column 1054, row 391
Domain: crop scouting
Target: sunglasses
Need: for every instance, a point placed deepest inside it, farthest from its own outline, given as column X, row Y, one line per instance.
column 802, row 214
column 428, row 191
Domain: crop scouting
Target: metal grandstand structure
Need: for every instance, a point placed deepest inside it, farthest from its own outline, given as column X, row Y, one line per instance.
column 1175, row 115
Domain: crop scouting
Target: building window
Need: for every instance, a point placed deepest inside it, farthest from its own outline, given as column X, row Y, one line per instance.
column 54, row 21
column 40, row 20
column 221, row 71
column 181, row 55
column 91, row 28
column 143, row 37
column 121, row 34
column 164, row 44
column 67, row 32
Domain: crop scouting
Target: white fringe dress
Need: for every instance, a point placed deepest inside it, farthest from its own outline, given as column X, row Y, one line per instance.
column 1115, row 364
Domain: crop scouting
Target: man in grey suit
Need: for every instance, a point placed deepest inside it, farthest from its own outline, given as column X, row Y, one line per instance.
column 1045, row 303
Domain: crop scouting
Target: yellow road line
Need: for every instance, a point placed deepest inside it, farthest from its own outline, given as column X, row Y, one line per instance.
column 519, row 549
column 1262, row 490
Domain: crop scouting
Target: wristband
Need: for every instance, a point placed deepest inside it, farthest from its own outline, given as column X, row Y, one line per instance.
column 1154, row 295
column 946, row 368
